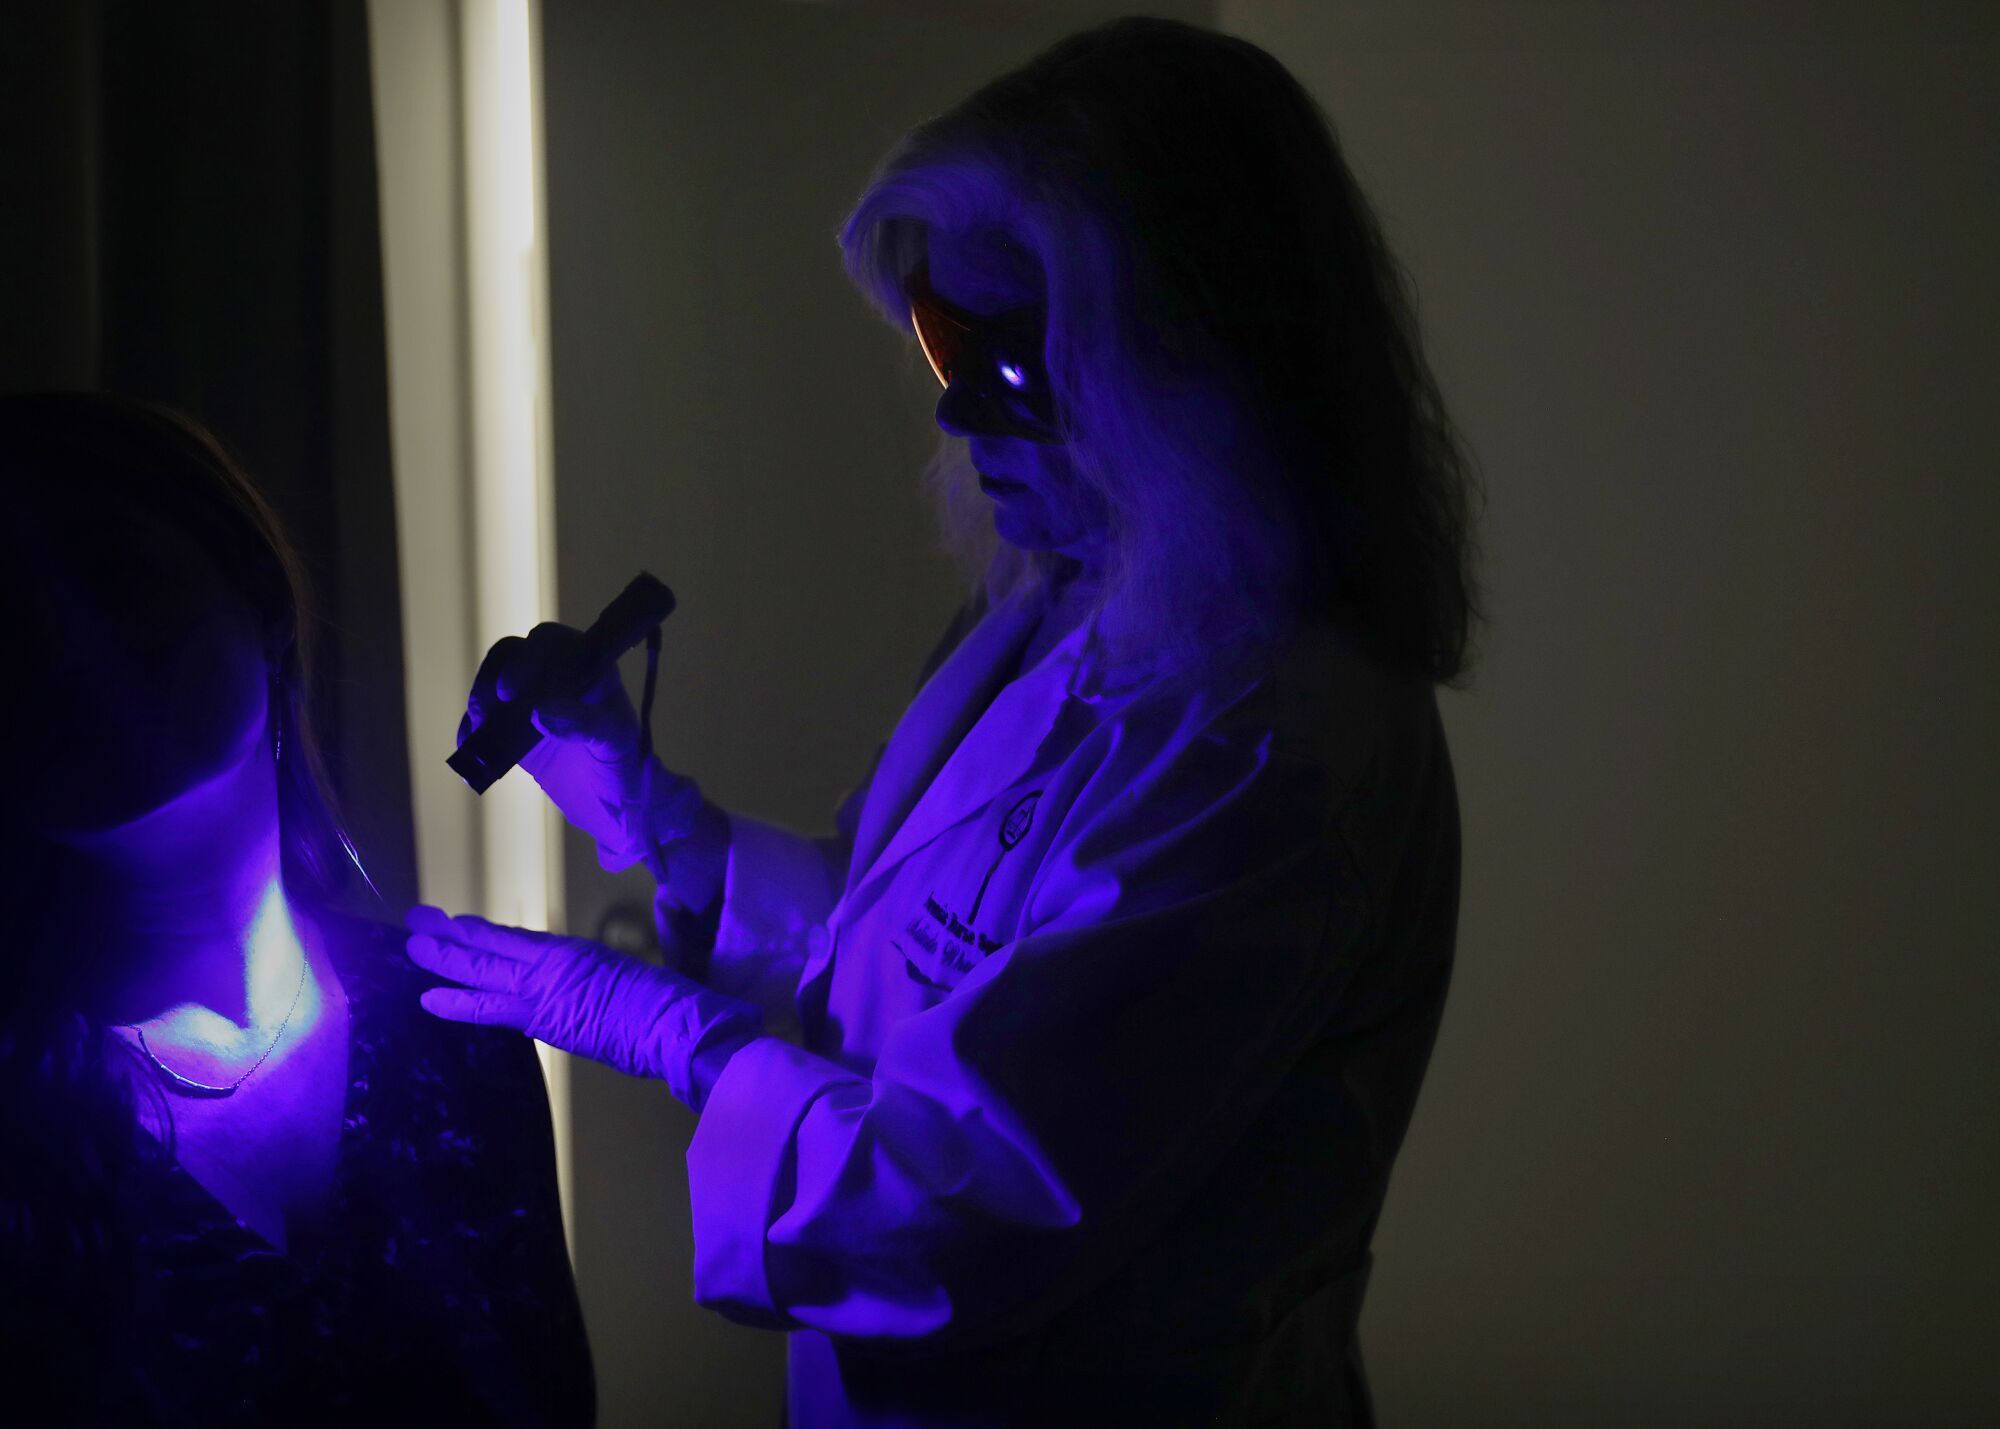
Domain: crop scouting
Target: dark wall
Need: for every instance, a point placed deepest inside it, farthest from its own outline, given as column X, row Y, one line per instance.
column 48, row 279
column 729, row 414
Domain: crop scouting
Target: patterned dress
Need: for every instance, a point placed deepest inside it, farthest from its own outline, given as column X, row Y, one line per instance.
column 436, row 1292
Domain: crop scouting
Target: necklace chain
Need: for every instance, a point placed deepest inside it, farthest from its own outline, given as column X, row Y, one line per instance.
column 208, row 1089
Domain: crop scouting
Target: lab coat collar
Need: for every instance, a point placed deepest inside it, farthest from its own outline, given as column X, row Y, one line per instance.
column 1099, row 678
column 932, row 775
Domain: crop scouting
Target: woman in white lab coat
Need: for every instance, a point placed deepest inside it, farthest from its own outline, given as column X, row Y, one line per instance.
column 1062, row 1082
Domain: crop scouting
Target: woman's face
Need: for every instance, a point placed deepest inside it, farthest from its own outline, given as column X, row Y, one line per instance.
column 140, row 670
column 1038, row 503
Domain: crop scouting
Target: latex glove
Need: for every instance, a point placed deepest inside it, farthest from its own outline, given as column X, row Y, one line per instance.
column 582, row 997
column 588, row 760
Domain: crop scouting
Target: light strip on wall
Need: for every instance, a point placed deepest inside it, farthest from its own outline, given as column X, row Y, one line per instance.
column 467, row 288
column 512, row 505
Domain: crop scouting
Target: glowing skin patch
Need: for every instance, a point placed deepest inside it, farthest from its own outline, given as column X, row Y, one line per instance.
column 283, row 1004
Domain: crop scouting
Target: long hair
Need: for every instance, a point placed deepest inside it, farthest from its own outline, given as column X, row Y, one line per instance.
column 1233, row 348
column 69, row 1136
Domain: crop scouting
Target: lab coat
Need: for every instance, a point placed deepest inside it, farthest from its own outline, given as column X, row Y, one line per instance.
column 1111, row 999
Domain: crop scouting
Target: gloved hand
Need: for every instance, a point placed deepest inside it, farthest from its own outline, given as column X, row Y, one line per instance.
column 588, row 760
column 582, row 997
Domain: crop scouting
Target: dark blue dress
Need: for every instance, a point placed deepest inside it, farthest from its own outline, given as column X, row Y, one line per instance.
column 437, row 1291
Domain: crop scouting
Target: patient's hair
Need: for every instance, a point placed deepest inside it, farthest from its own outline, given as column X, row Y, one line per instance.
column 1233, row 348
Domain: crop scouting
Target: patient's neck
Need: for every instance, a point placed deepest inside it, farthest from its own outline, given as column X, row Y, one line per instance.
column 191, row 906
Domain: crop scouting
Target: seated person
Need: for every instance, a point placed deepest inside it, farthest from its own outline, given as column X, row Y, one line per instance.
column 243, row 1177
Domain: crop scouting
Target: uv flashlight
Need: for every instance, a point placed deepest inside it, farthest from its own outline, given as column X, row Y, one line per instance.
column 507, row 732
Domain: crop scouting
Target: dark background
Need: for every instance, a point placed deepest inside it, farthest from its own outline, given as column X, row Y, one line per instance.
column 1711, row 287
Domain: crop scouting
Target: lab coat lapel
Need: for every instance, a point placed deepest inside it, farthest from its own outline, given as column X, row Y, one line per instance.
column 935, row 723
column 998, row 748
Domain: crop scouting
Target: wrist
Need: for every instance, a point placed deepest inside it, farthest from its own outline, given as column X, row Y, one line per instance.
column 705, row 1029
column 697, row 864
column 654, row 811
column 687, row 937
column 706, row 1066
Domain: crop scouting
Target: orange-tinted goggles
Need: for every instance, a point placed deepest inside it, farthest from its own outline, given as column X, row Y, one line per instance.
column 995, row 361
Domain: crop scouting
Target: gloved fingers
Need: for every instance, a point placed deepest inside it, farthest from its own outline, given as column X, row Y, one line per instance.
column 561, row 719
column 549, row 659
column 491, row 1009
column 469, row 930
column 485, row 693
column 600, row 717
column 470, row 966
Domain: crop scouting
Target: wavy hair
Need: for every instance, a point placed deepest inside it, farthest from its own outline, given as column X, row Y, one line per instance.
column 1233, row 348
column 69, row 1133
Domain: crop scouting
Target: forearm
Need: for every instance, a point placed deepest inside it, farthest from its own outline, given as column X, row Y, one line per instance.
column 696, row 864
column 745, row 905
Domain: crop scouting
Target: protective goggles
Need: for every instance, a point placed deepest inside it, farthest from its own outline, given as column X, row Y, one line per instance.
column 996, row 362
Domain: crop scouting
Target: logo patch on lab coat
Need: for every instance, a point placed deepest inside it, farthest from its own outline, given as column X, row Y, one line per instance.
column 1013, row 829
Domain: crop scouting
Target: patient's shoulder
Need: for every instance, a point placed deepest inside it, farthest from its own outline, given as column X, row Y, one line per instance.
column 392, row 1028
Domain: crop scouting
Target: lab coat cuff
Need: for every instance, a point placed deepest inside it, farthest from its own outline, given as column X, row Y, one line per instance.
column 741, row 1154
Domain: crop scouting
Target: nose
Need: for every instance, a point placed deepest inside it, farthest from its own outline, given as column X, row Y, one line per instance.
column 958, row 411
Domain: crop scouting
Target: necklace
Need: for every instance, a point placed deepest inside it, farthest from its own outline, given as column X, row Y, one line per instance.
column 193, row 1088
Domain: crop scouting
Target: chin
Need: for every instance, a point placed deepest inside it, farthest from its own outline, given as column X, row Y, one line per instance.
column 1019, row 520
column 73, row 806
column 1021, row 535
column 113, row 777
column 1033, row 538
column 114, row 795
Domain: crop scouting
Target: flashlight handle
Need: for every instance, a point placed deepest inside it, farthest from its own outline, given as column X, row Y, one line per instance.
column 508, row 733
